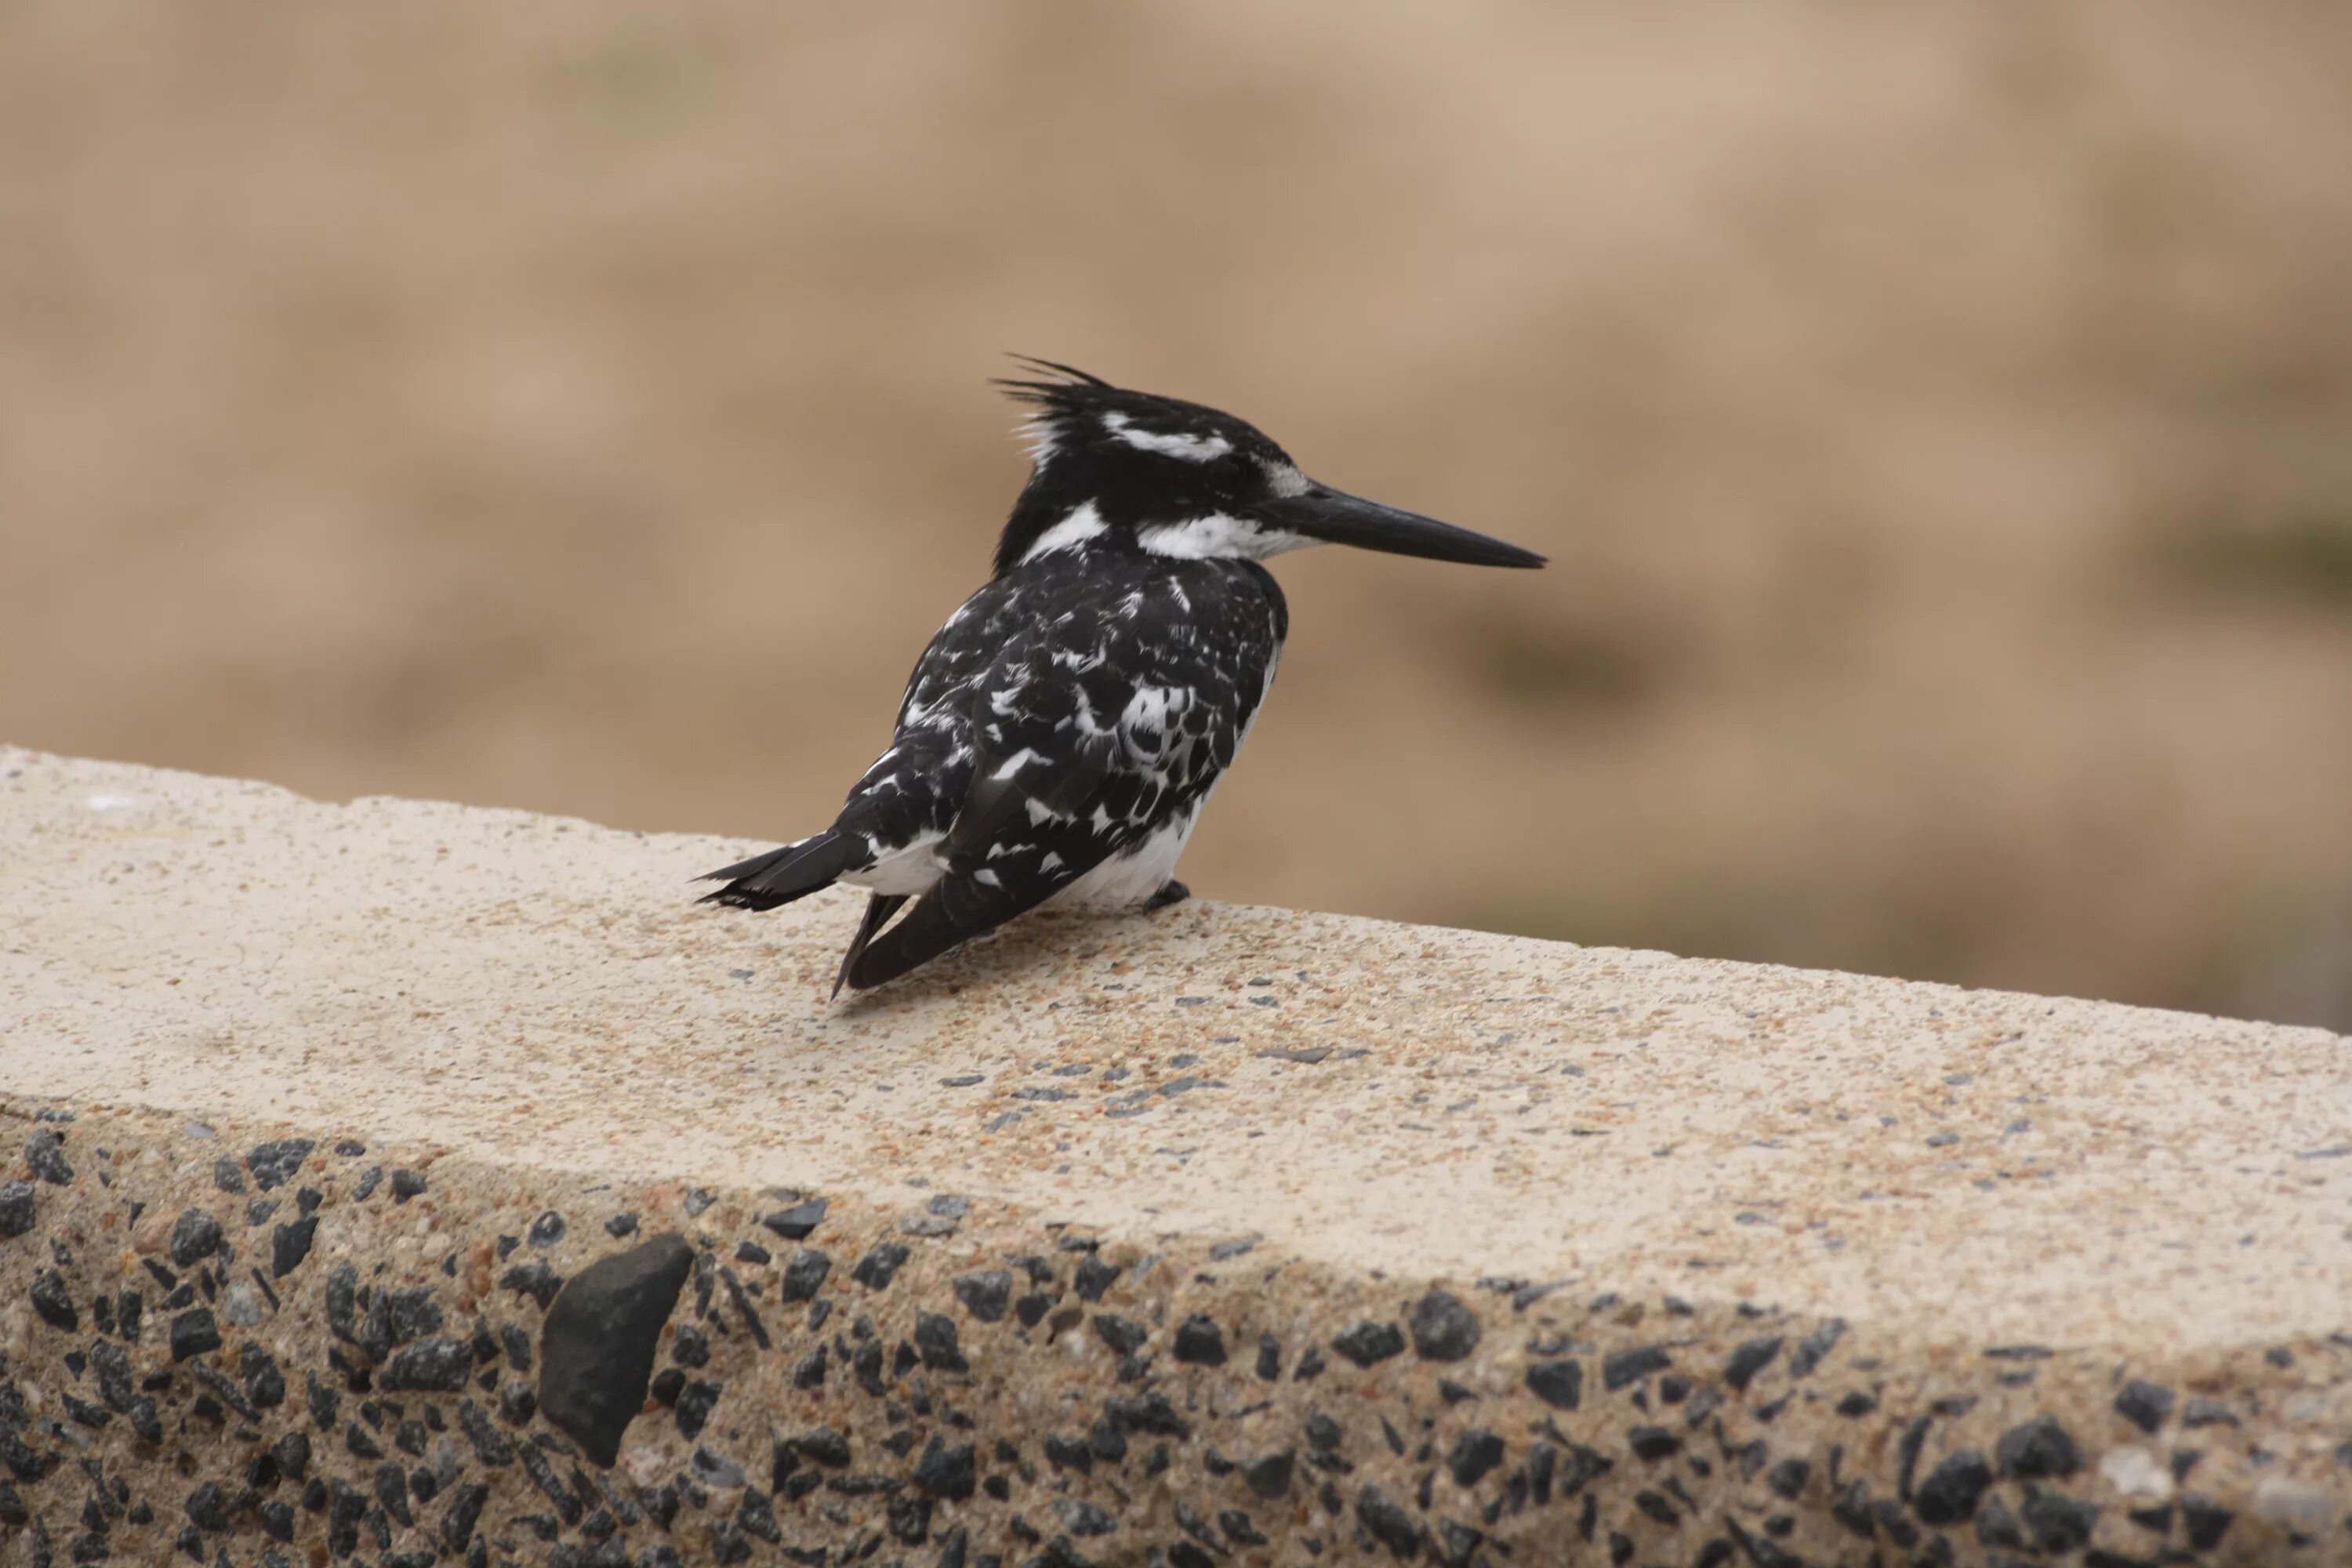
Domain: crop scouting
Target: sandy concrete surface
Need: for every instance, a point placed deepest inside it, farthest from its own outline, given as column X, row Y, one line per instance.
column 494, row 981
column 1394, row 1240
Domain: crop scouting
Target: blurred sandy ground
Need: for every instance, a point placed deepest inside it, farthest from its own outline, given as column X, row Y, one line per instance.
column 1940, row 419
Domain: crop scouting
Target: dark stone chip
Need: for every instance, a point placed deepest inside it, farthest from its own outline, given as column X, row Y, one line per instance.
column 414, row 1313
column 2144, row 1405
column 879, row 1266
column 344, row 1300
column 1121, row 1334
column 274, row 1164
column 360, row 1442
column 490, row 1445
column 2158, row 1518
column 1150, row 1413
column 406, row 1185
column 695, row 1404
column 691, row 1346
column 322, row 1400
column 1475, row 1452
column 1788, row 1478
column 2203, row 1412
column 44, row 1151
column 392, row 1491
column 796, row 1223
column 945, row 1471
column 1081, row 1518
column 1323, row 1434
column 193, row 1332
column 1652, row 1443
column 227, row 1175
column 2205, row 1522
column 265, row 1385
column 1953, row 1488
column 370, row 1179
column 1270, row 1476
column 1066, row 1453
column 596, row 1349
column 1628, row 1367
column 290, row 1244
column 1108, row 1442
column 292, row 1454
column 1857, row 1403
column 1559, row 1384
column 547, row 1229
column 1389, row 1525
column 1456, row 1543
column 908, row 1515
column 52, row 1303
column 1813, row 1347
column 440, row 1365
column 758, row 1516
column 114, row 1368
column 260, row 1210
column 804, row 1272
column 16, row 1208
column 2038, row 1447
column 207, row 1510
column 278, row 1522
column 1906, row 1455
column 1443, row 1328
column 935, row 1342
column 2057, row 1522
column 1269, row 1358
column 985, row 1294
column 465, row 1509
column 1093, row 1277
column 1200, row 1341
column 1850, row 1507
column 538, row 1281
column 1369, row 1342
column 1750, row 1358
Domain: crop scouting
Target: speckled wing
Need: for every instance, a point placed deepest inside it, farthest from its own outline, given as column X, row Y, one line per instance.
column 1077, row 711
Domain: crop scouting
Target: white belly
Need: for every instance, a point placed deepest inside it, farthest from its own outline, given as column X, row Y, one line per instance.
column 1126, row 880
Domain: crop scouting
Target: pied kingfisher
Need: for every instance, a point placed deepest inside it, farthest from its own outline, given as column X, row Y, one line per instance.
column 1060, row 735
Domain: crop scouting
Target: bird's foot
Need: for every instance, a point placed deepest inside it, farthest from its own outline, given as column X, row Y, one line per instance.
column 1171, row 892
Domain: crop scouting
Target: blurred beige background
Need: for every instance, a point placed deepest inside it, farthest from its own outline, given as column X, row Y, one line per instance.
column 1940, row 420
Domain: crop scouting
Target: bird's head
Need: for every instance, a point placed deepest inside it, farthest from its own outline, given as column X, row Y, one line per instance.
column 1129, row 472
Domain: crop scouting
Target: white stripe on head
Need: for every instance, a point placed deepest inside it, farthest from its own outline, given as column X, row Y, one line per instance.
column 1218, row 536
column 1083, row 523
column 1192, row 448
column 1285, row 480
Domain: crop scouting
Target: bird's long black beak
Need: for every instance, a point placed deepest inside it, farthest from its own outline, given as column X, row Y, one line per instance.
column 1338, row 518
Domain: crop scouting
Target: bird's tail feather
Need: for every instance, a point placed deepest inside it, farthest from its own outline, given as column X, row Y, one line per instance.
column 775, row 879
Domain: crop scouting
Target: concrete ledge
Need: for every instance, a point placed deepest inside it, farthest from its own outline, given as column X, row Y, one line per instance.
column 403, row 1183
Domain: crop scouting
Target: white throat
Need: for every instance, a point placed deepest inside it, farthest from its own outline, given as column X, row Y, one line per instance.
column 1218, row 536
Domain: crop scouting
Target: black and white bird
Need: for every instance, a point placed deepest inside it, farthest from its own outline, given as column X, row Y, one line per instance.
column 1061, row 734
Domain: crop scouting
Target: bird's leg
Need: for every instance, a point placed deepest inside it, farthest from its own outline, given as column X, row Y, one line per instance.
column 1171, row 891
